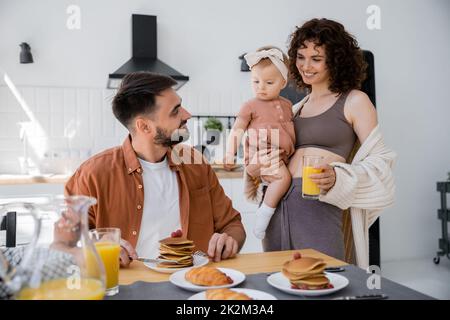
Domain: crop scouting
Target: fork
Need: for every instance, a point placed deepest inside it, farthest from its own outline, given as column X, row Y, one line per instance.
column 199, row 253
column 364, row 297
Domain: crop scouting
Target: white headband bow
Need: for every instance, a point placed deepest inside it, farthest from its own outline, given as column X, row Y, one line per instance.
column 275, row 55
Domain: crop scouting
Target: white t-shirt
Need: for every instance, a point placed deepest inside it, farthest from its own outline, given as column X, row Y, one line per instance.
column 161, row 213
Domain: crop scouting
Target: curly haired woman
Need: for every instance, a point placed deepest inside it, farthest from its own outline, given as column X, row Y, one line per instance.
column 332, row 121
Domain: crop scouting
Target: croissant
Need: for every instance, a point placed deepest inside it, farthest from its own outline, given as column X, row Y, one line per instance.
column 225, row 294
column 207, row 276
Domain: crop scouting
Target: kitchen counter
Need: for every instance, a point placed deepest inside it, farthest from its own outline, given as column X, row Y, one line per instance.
column 10, row 179
column 14, row 179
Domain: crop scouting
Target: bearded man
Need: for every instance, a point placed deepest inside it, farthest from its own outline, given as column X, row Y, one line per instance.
column 153, row 184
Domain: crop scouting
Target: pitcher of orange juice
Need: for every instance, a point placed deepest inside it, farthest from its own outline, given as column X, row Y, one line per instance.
column 60, row 263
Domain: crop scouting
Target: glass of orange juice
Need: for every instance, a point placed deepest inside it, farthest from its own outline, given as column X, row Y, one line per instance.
column 310, row 190
column 107, row 243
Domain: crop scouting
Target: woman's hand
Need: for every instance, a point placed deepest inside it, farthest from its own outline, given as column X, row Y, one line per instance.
column 326, row 179
column 265, row 164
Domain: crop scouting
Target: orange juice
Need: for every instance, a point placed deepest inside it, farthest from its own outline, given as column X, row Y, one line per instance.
column 309, row 188
column 58, row 289
column 109, row 253
column 91, row 264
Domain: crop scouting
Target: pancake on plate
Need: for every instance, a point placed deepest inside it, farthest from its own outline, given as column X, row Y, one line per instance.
column 178, row 251
column 306, row 273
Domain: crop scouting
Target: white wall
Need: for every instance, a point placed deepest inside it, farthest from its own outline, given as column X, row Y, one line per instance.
column 203, row 39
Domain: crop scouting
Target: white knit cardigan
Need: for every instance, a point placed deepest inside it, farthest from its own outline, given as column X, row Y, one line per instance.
column 366, row 186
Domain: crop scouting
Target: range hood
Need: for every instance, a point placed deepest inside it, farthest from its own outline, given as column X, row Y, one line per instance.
column 144, row 56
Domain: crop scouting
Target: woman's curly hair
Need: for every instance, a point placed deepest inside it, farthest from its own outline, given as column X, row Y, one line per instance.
column 344, row 58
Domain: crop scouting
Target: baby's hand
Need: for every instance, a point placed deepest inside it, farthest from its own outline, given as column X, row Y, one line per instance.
column 228, row 162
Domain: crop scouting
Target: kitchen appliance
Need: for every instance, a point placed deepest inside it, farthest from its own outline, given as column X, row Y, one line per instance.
column 144, row 54
column 368, row 86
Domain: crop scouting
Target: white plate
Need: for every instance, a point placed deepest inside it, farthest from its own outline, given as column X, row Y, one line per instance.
column 254, row 294
column 178, row 279
column 279, row 281
column 198, row 262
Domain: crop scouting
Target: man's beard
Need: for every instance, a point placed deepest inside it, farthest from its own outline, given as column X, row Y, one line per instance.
column 165, row 139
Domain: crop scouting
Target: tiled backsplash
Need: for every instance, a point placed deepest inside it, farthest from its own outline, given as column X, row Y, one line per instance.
column 73, row 123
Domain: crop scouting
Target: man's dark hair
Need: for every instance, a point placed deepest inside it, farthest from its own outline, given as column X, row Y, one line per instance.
column 136, row 95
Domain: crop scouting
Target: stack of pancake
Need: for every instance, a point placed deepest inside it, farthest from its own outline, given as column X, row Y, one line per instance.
column 306, row 273
column 177, row 252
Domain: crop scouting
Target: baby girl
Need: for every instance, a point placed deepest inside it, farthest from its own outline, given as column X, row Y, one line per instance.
column 267, row 119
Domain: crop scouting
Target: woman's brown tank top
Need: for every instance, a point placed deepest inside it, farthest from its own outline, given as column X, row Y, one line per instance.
column 329, row 130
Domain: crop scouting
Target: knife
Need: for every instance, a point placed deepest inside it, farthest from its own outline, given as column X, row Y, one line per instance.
column 334, row 269
column 364, row 297
column 148, row 260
